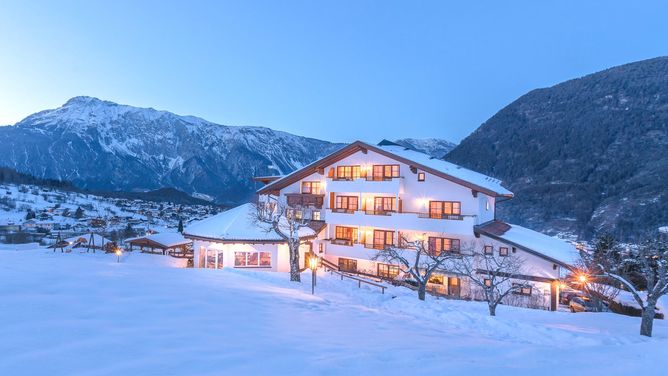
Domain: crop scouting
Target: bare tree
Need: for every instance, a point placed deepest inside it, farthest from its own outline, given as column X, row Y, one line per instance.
column 642, row 267
column 416, row 259
column 289, row 225
column 598, row 286
column 491, row 273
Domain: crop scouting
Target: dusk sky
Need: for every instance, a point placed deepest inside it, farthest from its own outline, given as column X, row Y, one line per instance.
column 340, row 70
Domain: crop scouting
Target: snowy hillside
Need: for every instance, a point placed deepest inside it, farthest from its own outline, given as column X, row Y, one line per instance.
column 435, row 147
column 39, row 213
column 106, row 146
column 85, row 314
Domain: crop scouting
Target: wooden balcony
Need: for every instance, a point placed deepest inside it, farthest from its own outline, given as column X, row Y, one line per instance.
column 305, row 200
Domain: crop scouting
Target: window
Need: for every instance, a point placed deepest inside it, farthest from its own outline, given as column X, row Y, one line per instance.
column 487, row 205
column 437, row 279
column 385, row 172
column 382, row 239
column 438, row 245
column 383, row 204
column 347, row 172
column 489, row 250
column 315, row 215
column 252, row 259
column 311, row 187
column 443, row 209
column 421, row 176
column 503, row 251
column 346, row 233
column 321, row 247
column 388, row 271
column 488, row 282
column 522, row 289
column 347, row 203
column 210, row 259
column 348, row 265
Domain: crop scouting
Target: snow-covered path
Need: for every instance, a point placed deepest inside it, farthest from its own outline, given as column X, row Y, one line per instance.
column 85, row 314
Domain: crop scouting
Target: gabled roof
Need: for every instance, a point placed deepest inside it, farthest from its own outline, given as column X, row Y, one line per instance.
column 424, row 162
column 162, row 239
column 237, row 224
column 556, row 250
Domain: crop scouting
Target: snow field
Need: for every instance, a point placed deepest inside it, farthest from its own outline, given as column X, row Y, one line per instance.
column 85, row 314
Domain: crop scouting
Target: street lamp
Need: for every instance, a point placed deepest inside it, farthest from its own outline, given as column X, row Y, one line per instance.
column 118, row 254
column 313, row 264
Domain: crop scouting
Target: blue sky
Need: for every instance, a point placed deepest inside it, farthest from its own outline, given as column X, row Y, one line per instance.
column 336, row 70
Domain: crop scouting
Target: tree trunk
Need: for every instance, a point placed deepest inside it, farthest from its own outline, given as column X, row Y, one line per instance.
column 492, row 309
column 647, row 319
column 295, row 276
column 422, row 290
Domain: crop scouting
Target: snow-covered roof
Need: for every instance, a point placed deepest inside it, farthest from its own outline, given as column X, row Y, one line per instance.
column 166, row 239
column 448, row 168
column 238, row 224
column 538, row 243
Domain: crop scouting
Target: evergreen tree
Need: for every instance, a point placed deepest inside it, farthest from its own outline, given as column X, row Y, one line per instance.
column 78, row 214
column 181, row 225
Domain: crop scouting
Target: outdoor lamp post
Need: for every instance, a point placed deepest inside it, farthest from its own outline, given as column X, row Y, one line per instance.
column 313, row 264
column 118, row 254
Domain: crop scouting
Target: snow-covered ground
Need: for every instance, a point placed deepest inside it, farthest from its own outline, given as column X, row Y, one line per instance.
column 85, row 314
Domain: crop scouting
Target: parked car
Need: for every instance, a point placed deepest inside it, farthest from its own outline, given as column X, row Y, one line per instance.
column 566, row 296
column 581, row 304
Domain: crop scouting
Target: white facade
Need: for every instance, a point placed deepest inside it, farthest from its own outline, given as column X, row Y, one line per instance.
column 370, row 197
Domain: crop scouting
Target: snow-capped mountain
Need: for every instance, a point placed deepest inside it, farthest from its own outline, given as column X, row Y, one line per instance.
column 103, row 145
column 436, row 147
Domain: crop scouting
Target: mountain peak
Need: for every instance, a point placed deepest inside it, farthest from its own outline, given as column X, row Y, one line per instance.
column 84, row 100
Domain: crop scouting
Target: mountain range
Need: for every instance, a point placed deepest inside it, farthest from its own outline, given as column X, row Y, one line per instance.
column 104, row 146
column 586, row 156
column 101, row 145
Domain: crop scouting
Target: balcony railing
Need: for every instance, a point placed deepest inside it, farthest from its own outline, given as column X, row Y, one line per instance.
column 346, row 242
column 379, row 246
column 305, row 199
column 343, row 210
column 380, row 178
column 378, row 212
column 455, row 217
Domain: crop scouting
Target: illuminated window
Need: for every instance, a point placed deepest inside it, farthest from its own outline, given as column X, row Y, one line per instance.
column 388, row 271
column 488, row 282
column 522, row 289
column 437, row 279
column 315, row 215
column 252, row 259
column 503, row 251
column 385, row 172
column 311, row 187
column 438, row 245
column 347, row 172
column 348, row 265
column 443, row 209
column 382, row 239
column 421, row 176
column 489, row 250
column 347, row 203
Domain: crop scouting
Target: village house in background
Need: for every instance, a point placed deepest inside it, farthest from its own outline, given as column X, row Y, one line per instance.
column 364, row 198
